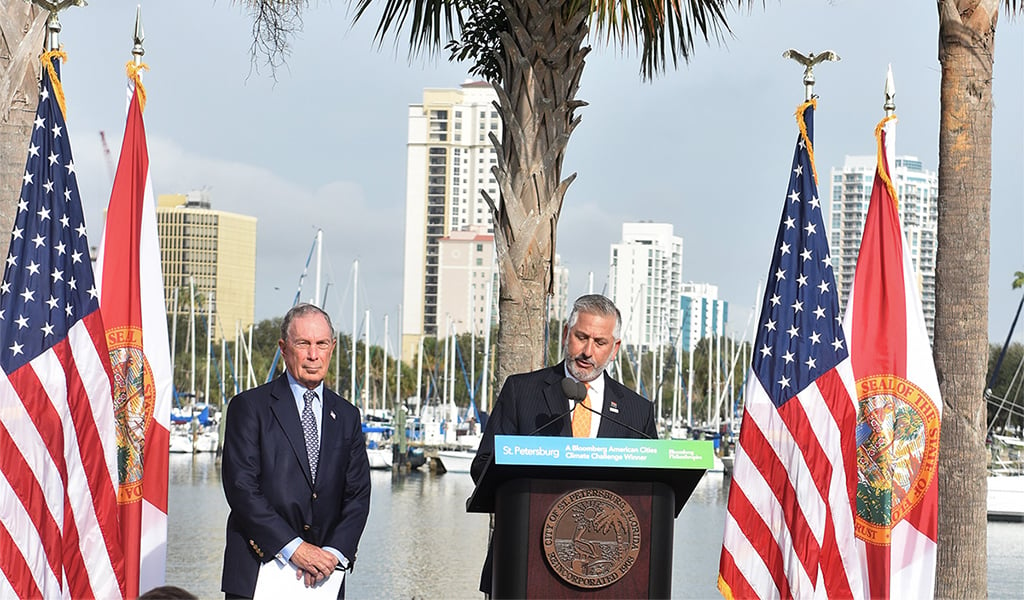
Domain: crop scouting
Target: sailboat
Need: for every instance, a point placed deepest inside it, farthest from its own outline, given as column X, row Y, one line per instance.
column 1006, row 448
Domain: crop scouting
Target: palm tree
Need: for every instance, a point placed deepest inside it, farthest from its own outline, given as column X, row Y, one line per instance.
column 966, row 43
column 22, row 28
column 533, row 53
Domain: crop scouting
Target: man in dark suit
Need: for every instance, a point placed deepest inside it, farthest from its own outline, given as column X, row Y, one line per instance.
column 530, row 403
column 295, row 471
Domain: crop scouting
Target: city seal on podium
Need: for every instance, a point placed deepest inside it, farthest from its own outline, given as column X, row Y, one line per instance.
column 591, row 537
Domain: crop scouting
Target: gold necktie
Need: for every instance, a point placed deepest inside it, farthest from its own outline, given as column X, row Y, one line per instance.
column 581, row 417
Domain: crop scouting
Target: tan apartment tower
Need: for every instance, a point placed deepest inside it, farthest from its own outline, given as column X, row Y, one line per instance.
column 449, row 160
column 213, row 250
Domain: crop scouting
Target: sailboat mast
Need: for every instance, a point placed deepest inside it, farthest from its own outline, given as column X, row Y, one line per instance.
column 689, row 388
column 174, row 325
column 352, row 352
column 398, row 361
column 366, row 367
column 485, row 404
column 384, row 377
column 192, row 333
column 419, row 376
column 319, row 261
column 209, row 345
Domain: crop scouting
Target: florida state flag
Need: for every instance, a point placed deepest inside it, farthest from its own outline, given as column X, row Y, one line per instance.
column 899, row 408
column 132, row 305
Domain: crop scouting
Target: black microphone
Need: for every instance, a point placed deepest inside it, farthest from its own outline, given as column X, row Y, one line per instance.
column 581, row 393
column 575, row 392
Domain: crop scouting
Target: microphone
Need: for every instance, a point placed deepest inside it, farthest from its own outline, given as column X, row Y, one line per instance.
column 575, row 392
column 575, row 389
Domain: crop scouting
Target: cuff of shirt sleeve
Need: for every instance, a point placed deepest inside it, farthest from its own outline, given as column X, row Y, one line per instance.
column 289, row 549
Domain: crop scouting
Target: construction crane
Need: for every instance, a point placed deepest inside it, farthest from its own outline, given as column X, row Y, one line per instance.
column 111, row 168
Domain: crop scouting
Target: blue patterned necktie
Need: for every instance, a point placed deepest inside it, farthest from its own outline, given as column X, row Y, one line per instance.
column 309, row 428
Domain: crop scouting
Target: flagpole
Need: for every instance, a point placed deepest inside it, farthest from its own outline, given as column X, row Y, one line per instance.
column 890, row 130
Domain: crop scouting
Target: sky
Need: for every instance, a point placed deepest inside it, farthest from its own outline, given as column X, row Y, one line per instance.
column 706, row 146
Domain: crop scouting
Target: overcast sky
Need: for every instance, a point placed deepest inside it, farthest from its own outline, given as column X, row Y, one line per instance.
column 706, row 147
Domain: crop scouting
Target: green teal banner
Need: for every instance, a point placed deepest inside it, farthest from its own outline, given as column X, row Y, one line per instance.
column 603, row 452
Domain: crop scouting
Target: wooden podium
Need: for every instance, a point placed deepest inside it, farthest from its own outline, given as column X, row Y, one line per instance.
column 586, row 518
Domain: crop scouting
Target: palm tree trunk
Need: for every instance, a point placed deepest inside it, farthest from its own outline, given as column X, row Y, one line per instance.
column 22, row 28
column 541, row 69
column 966, row 42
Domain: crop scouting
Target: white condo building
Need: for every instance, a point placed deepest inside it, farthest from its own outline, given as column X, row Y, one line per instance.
column 644, row 276
column 702, row 314
column 918, row 192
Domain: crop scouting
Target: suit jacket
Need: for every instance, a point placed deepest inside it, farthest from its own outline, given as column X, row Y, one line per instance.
column 268, row 485
column 533, row 404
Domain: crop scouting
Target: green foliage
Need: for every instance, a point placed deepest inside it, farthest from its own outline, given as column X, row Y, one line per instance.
column 481, row 39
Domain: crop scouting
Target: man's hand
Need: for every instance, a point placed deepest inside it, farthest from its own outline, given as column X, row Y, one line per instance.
column 315, row 564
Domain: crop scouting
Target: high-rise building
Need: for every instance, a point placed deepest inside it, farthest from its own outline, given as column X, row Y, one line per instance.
column 702, row 314
column 212, row 251
column 560, row 300
column 644, row 277
column 449, row 161
column 467, row 287
column 917, row 191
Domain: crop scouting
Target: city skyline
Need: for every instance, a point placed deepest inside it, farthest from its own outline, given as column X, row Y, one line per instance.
column 331, row 132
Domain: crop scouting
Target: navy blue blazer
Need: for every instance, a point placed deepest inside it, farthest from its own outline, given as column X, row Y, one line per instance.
column 528, row 401
column 268, row 485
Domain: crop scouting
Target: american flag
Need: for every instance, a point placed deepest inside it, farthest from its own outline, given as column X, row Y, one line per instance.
column 789, row 530
column 59, row 534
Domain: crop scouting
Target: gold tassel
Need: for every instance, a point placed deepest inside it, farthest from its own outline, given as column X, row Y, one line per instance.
column 883, row 165
column 58, row 90
column 813, row 102
column 134, row 72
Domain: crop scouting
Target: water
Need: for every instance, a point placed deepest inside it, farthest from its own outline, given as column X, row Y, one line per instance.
column 420, row 542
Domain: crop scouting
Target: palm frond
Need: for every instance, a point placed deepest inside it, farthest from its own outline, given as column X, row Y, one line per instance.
column 431, row 23
column 663, row 30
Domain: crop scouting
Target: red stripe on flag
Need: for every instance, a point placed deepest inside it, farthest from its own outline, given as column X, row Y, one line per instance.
column 48, row 426
column 792, row 413
column 761, row 537
column 767, row 462
column 737, row 586
column 74, row 565
column 101, row 487
column 833, row 569
column 836, row 397
column 15, row 569
column 22, row 479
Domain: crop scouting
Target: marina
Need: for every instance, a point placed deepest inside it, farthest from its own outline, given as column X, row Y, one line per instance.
column 421, row 543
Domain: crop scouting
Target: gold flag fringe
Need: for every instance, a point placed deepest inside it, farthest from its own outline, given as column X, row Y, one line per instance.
column 883, row 164
column 812, row 103
column 58, row 90
column 134, row 72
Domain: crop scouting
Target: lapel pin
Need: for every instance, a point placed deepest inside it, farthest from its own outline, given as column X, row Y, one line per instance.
column 614, row 407
column 333, row 416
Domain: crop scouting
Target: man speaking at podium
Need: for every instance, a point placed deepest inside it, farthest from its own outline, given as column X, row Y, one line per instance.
column 551, row 401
